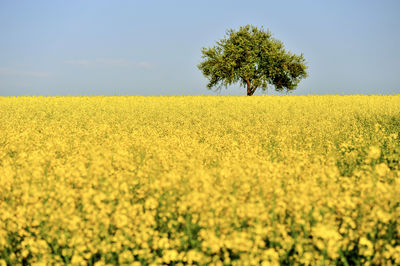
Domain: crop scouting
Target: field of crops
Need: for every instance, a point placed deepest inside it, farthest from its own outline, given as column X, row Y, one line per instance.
column 200, row 180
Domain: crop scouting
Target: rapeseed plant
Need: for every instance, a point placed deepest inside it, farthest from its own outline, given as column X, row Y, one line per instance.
column 200, row 180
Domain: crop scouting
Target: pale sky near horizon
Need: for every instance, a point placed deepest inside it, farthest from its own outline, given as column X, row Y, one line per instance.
column 99, row 47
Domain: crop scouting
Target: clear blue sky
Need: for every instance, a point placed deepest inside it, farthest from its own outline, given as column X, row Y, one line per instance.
column 153, row 47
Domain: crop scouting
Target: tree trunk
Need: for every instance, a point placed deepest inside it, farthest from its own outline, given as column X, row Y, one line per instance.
column 250, row 91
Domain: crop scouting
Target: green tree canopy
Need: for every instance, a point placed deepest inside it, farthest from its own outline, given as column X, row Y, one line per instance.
column 254, row 58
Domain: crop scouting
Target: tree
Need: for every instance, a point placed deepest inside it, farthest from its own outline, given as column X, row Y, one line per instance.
column 254, row 58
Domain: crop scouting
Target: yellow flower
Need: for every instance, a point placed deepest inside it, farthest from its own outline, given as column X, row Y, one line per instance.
column 374, row 152
column 366, row 247
column 382, row 169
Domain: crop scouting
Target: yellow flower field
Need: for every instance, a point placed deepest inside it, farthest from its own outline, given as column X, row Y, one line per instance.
column 201, row 180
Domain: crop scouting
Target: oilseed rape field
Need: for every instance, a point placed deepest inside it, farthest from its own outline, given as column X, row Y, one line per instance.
column 200, row 180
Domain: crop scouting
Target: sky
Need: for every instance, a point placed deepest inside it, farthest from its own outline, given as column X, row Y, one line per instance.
column 115, row 47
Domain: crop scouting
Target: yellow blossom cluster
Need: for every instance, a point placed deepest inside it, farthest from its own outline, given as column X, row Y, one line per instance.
column 200, row 180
